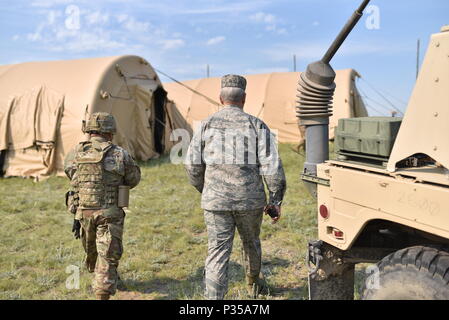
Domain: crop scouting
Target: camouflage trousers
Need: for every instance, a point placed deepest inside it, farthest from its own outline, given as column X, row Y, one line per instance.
column 221, row 227
column 102, row 241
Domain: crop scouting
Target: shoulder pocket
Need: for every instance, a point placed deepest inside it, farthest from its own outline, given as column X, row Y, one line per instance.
column 114, row 162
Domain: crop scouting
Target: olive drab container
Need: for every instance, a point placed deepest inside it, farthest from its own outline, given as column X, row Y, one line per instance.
column 123, row 196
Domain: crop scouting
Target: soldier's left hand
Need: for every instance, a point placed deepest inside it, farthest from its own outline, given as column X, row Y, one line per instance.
column 76, row 227
column 276, row 219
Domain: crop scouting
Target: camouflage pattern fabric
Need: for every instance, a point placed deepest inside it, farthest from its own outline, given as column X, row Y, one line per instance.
column 102, row 228
column 102, row 241
column 101, row 122
column 228, row 159
column 233, row 81
column 118, row 164
column 221, row 229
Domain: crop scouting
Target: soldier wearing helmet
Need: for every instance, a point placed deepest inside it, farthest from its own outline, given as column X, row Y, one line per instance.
column 101, row 173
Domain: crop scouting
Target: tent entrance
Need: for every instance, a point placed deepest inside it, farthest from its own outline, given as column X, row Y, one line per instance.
column 146, row 123
column 160, row 97
column 2, row 162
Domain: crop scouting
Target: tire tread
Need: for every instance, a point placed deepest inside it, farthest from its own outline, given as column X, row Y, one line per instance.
column 423, row 258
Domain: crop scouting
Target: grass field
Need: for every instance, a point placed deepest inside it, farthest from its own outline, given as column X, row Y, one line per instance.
column 165, row 240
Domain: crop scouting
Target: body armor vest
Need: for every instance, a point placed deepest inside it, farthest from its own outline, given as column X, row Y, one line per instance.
column 97, row 187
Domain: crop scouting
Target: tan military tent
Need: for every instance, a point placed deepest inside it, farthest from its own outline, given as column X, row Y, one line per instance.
column 271, row 97
column 42, row 105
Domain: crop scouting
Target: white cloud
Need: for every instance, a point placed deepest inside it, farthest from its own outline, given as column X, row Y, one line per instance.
column 104, row 29
column 215, row 40
column 49, row 3
column 52, row 16
column 97, row 18
column 84, row 42
column 281, row 31
column 122, row 17
column 169, row 44
column 55, row 35
column 96, row 33
column 263, row 17
column 133, row 25
column 220, row 8
column 270, row 21
column 36, row 35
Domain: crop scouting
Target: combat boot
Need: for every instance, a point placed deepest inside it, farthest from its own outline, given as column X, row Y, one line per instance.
column 256, row 286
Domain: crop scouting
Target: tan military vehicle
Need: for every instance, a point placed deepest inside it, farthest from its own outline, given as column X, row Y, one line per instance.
column 385, row 198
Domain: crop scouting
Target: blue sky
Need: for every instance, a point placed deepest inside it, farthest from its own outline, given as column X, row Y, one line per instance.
column 182, row 37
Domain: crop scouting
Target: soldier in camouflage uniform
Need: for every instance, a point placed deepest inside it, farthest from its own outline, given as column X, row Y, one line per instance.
column 97, row 168
column 227, row 161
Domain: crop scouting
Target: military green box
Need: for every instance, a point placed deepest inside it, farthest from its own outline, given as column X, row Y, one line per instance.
column 372, row 136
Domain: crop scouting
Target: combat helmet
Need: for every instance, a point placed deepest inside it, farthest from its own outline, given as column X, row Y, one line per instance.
column 101, row 122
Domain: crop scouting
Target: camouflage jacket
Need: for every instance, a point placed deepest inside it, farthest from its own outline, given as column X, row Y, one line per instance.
column 117, row 163
column 228, row 159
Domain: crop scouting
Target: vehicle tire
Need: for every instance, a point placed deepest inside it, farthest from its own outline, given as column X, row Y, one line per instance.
column 415, row 273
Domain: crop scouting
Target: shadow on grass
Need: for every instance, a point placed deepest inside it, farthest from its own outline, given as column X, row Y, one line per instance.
column 275, row 266
column 166, row 288
column 169, row 289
